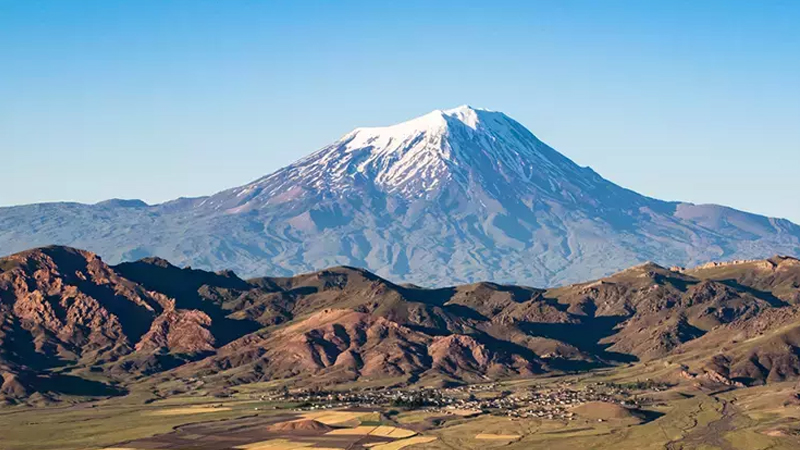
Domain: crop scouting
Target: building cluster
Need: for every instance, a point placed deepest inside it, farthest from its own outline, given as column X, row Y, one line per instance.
column 546, row 402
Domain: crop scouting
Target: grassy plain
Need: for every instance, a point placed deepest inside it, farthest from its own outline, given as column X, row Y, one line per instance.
column 683, row 417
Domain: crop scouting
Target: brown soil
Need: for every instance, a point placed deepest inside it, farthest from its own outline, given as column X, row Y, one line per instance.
column 604, row 411
column 300, row 425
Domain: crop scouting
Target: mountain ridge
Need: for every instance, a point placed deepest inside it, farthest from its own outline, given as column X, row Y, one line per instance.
column 66, row 315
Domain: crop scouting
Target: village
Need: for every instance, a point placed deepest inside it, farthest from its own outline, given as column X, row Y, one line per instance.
column 551, row 402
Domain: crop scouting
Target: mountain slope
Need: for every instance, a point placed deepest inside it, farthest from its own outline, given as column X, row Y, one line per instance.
column 68, row 321
column 450, row 197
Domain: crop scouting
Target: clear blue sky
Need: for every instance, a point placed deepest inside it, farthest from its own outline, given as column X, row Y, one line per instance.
column 690, row 100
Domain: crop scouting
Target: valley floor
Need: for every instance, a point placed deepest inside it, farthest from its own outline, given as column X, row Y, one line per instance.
column 683, row 416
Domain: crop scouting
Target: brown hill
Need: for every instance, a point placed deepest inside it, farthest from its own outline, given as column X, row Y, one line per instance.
column 779, row 275
column 758, row 349
column 302, row 425
column 64, row 312
column 332, row 346
column 659, row 309
column 61, row 307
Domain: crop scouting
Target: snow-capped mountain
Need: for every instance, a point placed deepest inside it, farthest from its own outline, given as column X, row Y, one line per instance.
column 452, row 196
column 462, row 148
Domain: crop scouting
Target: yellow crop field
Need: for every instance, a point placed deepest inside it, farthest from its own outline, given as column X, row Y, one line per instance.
column 403, row 443
column 355, row 431
column 187, row 411
column 282, row 444
column 499, row 437
column 383, row 431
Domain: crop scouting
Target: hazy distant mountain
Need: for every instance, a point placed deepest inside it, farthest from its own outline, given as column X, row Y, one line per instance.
column 453, row 196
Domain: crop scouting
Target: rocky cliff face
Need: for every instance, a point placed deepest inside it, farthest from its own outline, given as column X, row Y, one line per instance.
column 65, row 307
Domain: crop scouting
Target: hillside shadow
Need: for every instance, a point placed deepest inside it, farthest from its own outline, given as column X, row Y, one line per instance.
column 507, row 347
column 19, row 347
column 73, row 385
column 183, row 285
column 439, row 298
column 433, row 297
column 133, row 319
column 574, row 365
column 585, row 336
column 648, row 415
column 773, row 301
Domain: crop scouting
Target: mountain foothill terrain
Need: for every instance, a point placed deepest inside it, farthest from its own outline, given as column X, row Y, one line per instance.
column 72, row 325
